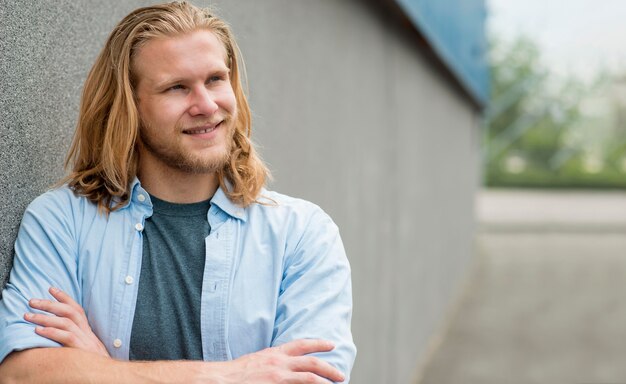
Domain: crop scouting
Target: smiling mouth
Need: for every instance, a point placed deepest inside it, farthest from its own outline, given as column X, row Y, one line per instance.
column 203, row 129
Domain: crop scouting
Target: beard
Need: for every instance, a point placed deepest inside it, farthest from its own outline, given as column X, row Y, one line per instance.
column 176, row 156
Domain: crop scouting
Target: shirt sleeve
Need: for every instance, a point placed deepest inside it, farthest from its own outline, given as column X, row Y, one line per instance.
column 315, row 300
column 44, row 256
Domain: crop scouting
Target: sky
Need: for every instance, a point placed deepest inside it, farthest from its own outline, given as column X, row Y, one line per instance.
column 576, row 37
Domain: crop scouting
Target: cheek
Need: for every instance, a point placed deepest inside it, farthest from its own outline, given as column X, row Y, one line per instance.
column 160, row 113
column 146, row 111
column 226, row 99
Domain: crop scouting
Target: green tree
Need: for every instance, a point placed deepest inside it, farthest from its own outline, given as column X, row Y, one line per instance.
column 528, row 119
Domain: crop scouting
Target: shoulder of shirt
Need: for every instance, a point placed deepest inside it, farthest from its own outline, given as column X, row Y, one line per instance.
column 272, row 200
column 299, row 220
column 272, row 203
column 60, row 200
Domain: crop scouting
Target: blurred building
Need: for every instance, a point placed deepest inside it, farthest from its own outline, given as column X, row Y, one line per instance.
column 369, row 108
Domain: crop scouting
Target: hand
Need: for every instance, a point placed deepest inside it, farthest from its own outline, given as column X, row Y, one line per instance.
column 67, row 325
column 286, row 364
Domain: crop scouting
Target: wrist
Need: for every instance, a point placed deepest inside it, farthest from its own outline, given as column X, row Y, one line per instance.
column 210, row 372
column 167, row 372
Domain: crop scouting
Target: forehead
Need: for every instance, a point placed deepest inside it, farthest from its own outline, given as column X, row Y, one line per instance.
column 184, row 55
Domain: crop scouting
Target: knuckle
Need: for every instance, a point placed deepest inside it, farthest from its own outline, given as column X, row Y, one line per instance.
column 74, row 319
column 299, row 346
column 73, row 313
column 309, row 377
column 280, row 349
column 72, row 340
column 274, row 360
column 66, row 323
column 276, row 377
column 63, row 310
column 38, row 303
column 314, row 362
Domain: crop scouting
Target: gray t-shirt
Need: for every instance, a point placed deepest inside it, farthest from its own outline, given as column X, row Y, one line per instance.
column 166, row 325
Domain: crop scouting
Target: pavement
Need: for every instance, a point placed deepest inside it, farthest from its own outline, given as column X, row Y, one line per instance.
column 546, row 299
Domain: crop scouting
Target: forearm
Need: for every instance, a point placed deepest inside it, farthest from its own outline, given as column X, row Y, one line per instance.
column 69, row 365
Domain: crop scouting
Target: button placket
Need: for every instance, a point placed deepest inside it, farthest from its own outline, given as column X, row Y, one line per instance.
column 129, row 288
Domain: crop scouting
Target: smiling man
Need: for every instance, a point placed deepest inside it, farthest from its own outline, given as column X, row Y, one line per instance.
column 161, row 257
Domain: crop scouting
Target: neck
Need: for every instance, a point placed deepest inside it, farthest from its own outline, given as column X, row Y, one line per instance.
column 176, row 186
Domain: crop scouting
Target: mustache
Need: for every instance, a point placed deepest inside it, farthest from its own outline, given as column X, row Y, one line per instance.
column 224, row 120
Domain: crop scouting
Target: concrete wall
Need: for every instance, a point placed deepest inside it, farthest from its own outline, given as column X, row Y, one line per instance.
column 349, row 113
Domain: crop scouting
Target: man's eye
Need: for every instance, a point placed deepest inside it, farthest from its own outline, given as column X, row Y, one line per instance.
column 216, row 78
column 175, row 87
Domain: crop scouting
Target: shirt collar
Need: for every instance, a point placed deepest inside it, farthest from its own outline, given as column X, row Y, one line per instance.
column 222, row 201
column 135, row 189
column 219, row 199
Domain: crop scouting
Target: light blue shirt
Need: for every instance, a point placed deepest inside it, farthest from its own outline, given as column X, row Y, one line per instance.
column 273, row 273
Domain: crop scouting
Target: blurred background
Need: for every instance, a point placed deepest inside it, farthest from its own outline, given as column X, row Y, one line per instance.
column 545, row 301
column 472, row 153
column 557, row 112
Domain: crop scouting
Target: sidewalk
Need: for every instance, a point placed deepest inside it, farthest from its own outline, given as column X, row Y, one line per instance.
column 520, row 210
column 547, row 300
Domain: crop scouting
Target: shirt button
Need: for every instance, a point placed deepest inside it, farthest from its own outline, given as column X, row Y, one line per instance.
column 141, row 198
column 139, row 227
column 117, row 343
column 129, row 280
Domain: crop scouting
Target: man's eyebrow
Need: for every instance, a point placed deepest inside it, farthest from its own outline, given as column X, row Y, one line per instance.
column 166, row 81
column 220, row 71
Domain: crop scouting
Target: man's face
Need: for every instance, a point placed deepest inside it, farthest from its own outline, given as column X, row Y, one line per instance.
column 186, row 103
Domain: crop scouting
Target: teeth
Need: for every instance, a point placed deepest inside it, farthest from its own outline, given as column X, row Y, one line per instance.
column 195, row 131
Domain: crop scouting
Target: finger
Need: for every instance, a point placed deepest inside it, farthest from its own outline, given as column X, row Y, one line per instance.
column 61, row 323
column 316, row 366
column 79, row 314
column 72, row 335
column 59, row 309
column 307, row 377
column 63, row 297
column 305, row 346
column 65, row 338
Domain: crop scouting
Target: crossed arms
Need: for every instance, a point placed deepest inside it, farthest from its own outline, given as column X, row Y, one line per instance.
column 84, row 358
column 287, row 363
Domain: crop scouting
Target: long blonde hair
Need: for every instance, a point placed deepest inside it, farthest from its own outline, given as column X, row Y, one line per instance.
column 103, row 157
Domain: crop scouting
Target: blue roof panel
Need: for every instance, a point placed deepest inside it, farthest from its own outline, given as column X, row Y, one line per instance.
column 456, row 31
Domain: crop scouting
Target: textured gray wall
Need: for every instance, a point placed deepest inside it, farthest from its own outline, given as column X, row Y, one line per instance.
column 349, row 113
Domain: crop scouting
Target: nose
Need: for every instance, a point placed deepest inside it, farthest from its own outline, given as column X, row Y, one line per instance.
column 203, row 102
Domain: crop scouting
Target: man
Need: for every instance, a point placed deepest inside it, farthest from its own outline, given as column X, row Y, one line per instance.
column 162, row 245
